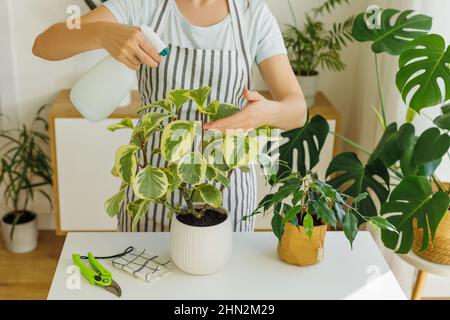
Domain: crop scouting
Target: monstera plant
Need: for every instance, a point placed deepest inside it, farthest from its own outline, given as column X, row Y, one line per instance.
column 400, row 171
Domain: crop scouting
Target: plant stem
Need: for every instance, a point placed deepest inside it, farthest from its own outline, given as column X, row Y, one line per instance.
column 380, row 91
column 350, row 142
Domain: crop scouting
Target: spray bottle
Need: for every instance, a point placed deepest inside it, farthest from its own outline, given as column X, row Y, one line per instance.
column 100, row 91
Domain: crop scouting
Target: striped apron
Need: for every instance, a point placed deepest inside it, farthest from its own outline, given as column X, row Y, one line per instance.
column 227, row 72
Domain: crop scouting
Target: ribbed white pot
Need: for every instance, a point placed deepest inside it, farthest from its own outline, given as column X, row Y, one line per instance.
column 24, row 238
column 201, row 250
column 309, row 86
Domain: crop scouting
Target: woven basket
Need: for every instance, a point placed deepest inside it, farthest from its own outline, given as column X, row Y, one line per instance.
column 439, row 250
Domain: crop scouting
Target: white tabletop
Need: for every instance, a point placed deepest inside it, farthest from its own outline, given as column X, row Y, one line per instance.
column 254, row 271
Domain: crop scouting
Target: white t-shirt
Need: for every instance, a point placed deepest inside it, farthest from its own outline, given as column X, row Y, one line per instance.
column 263, row 32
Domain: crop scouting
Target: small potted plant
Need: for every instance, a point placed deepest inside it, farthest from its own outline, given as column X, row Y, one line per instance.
column 201, row 231
column 313, row 45
column 303, row 208
column 24, row 172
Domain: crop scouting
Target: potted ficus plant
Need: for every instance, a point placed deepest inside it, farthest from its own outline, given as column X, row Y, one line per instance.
column 201, row 230
column 399, row 174
column 24, row 172
column 312, row 45
column 303, row 207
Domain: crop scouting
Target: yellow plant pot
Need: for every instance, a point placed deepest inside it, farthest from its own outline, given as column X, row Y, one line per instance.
column 297, row 248
column 439, row 250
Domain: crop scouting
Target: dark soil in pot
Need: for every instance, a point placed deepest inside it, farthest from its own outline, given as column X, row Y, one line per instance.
column 25, row 217
column 209, row 219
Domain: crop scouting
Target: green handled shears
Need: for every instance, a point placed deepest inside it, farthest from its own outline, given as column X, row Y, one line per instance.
column 98, row 275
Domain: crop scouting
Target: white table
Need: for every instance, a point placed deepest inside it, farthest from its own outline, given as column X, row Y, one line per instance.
column 254, row 271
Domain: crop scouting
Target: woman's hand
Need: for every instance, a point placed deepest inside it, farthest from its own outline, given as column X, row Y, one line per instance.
column 128, row 45
column 257, row 112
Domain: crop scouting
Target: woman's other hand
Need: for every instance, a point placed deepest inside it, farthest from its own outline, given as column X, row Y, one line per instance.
column 257, row 112
column 128, row 45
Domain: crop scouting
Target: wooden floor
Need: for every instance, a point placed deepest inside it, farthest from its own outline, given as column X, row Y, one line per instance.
column 29, row 275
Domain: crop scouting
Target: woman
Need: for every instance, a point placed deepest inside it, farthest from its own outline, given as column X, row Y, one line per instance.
column 212, row 42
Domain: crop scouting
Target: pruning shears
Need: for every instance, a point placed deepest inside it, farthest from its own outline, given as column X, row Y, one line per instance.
column 98, row 275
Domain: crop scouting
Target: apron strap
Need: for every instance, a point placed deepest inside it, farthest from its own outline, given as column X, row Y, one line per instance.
column 163, row 11
column 240, row 38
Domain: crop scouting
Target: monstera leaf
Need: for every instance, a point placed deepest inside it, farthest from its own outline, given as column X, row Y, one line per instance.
column 443, row 121
column 393, row 33
column 393, row 144
column 422, row 63
column 313, row 134
column 426, row 154
column 413, row 199
column 356, row 178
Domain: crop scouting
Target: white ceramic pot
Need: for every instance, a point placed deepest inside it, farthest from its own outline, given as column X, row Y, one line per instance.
column 24, row 238
column 201, row 250
column 309, row 86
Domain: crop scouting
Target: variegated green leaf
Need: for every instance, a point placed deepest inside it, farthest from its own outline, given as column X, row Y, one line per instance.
column 125, row 123
column 210, row 173
column 210, row 109
column 200, row 95
column 113, row 204
column 177, row 139
column 125, row 162
column 179, row 97
column 150, row 183
column 224, row 110
column 151, row 120
column 164, row 105
column 234, row 150
column 192, row 168
column 210, row 195
column 141, row 213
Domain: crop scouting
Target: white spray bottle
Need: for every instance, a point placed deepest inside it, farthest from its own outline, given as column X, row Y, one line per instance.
column 100, row 91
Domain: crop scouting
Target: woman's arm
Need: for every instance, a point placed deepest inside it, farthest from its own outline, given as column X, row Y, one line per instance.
column 288, row 109
column 99, row 29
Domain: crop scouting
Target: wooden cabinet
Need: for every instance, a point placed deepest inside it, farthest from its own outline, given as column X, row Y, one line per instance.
column 83, row 154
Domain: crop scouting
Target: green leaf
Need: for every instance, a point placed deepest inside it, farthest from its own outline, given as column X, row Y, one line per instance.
column 150, row 183
column 210, row 194
column 179, row 97
column 443, row 121
column 133, row 207
column 210, row 109
column 199, row 96
column 313, row 134
column 141, row 213
column 192, row 168
column 422, row 63
column 210, row 173
column 350, row 225
column 383, row 224
column 291, row 214
column 222, row 178
column 394, row 33
column 225, row 110
column 177, row 139
column 393, row 144
column 151, row 120
column 297, row 197
column 308, row 224
column 359, row 198
column 348, row 172
column 277, row 226
column 126, row 163
column 426, row 154
column 164, row 105
column 125, row 123
column 114, row 204
column 323, row 211
column 339, row 210
column 413, row 199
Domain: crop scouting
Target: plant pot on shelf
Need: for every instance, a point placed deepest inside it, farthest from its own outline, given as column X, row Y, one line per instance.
column 295, row 247
column 438, row 251
column 201, row 250
column 25, row 233
column 309, row 86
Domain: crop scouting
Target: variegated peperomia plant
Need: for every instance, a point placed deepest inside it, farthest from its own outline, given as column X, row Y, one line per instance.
column 197, row 163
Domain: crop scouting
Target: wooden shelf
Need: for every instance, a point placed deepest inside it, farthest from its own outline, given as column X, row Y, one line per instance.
column 62, row 107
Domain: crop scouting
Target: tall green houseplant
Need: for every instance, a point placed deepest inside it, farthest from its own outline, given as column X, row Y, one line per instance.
column 399, row 173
